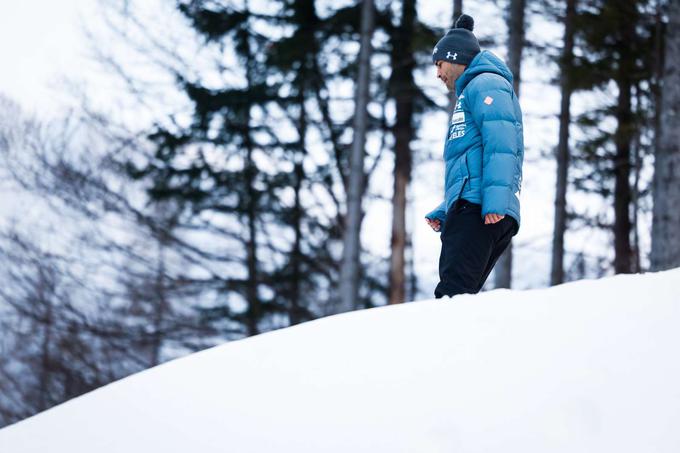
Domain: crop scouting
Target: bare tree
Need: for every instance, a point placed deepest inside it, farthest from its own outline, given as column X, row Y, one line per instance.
column 99, row 303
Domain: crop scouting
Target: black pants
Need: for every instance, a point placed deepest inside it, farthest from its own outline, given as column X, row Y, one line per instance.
column 470, row 248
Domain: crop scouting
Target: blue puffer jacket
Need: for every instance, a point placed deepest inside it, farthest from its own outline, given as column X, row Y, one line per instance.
column 484, row 148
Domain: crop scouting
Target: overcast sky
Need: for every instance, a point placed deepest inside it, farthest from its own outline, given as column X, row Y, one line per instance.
column 39, row 40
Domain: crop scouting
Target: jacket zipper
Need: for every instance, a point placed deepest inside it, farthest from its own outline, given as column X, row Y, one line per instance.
column 464, row 179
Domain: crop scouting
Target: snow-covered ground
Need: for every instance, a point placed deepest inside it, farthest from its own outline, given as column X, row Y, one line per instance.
column 589, row 366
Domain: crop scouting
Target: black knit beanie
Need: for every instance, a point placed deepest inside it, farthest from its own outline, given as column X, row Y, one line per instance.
column 459, row 45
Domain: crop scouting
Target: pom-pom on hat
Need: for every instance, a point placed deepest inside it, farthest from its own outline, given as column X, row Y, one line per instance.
column 459, row 45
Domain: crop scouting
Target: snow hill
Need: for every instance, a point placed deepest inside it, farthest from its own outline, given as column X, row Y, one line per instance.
column 589, row 366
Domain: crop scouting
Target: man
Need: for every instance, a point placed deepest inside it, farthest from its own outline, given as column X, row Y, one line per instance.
column 483, row 156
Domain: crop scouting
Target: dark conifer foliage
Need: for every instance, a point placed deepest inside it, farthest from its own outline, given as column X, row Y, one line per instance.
column 297, row 61
column 614, row 44
column 233, row 135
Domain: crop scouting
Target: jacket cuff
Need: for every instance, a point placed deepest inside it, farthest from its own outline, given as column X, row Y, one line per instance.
column 438, row 213
column 496, row 200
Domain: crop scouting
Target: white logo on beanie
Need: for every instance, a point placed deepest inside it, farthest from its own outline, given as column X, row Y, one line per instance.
column 435, row 50
column 452, row 57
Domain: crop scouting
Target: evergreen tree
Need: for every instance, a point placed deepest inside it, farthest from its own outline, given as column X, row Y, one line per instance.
column 409, row 48
column 243, row 165
column 516, row 38
column 403, row 88
column 309, row 264
column 613, row 39
column 560, row 222
column 237, row 160
column 209, row 168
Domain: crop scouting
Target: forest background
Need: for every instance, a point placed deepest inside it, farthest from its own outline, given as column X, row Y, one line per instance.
column 180, row 174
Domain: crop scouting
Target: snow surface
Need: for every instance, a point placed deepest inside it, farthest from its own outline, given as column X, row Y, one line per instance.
column 589, row 366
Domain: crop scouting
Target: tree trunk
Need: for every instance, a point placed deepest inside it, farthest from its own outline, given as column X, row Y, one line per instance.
column 254, row 312
column 503, row 272
column 623, row 260
column 349, row 272
column 457, row 12
column 557, row 271
column 295, row 313
column 622, row 192
column 44, row 400
column 666, row 215
column 160, row 302
column 635, row 201
column 254, row 307
column 402, row 87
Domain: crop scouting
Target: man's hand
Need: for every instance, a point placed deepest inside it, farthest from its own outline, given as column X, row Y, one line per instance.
column 492, row 218
column 435, row 224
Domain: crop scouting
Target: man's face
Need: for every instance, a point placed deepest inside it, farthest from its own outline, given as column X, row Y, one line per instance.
column 449, row 73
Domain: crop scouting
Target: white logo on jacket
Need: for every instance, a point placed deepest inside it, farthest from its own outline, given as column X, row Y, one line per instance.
column 458, row 117
column 457, row 125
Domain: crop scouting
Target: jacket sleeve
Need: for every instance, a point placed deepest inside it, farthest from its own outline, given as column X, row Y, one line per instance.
column 438, row 213
column 492, row 105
